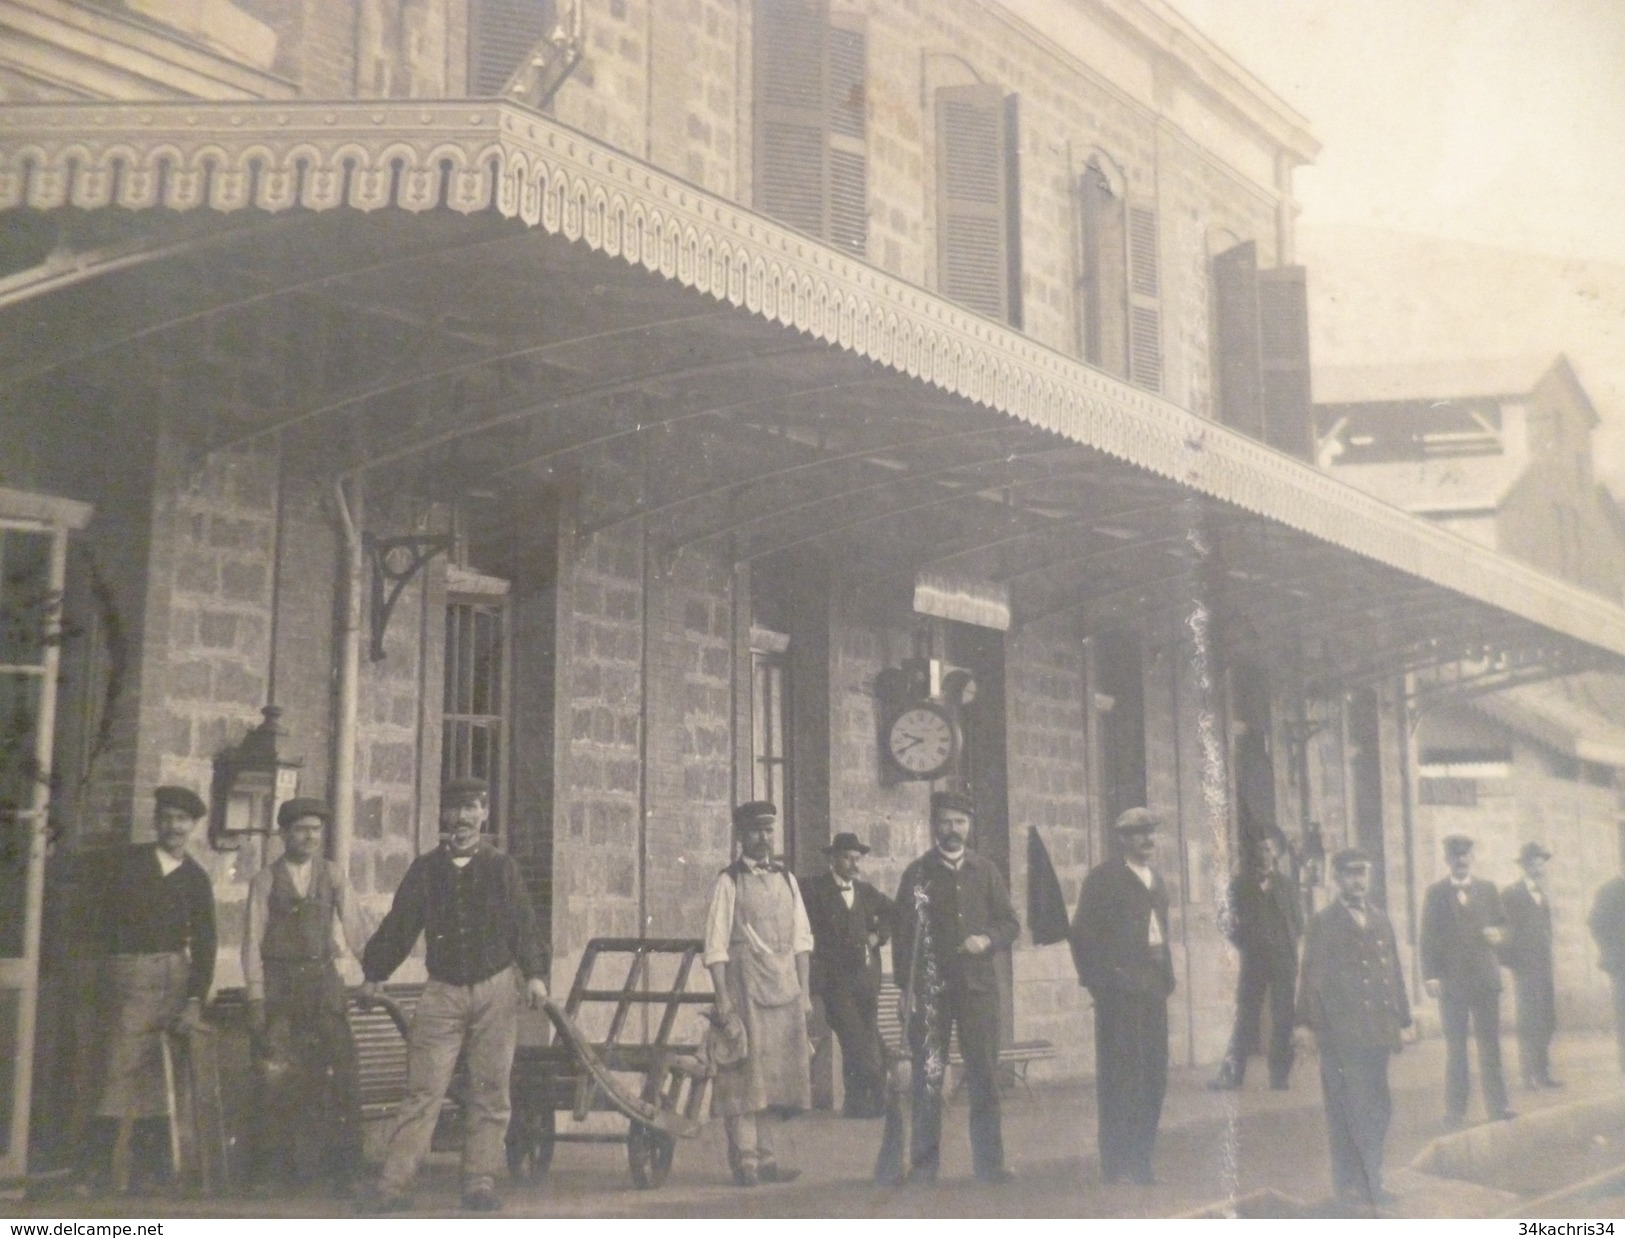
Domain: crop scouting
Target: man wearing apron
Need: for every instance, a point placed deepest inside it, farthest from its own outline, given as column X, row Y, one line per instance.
column 296, row 1000
column 157, row 941
column 757, row 947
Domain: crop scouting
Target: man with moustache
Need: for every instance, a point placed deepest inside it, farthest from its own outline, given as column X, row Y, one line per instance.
column 1527, row 951
column 1462, row 924
column 953, row 915
column 1120, row 948
column 469, row 900
column 1264, row 922
column 850, row 921
column 758, row 946
column 299, row 906
column 1351, row 994
column 156, row 935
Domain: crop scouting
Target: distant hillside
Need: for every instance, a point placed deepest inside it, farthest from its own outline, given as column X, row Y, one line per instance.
column 1377, row 296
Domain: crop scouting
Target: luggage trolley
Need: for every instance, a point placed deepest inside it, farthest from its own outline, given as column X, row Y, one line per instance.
column 639, row 1072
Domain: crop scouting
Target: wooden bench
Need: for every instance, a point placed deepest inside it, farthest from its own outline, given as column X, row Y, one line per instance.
column 1014, row 1059
column 380, row 1050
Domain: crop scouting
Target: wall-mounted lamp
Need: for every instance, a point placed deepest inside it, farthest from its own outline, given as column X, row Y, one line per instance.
column 250, row 782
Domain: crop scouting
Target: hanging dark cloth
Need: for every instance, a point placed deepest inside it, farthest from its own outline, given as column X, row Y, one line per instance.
column 1046, row 905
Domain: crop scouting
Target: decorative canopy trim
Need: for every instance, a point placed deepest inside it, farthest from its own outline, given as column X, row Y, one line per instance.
column 475, row 156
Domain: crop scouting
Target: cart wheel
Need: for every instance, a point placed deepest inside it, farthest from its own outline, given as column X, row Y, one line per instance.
column 530, row 1145
column 649, row 1152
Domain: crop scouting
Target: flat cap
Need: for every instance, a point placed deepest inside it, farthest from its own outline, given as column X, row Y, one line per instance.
column 754, row 812
column 1138, row 821
column 1350, row 857
column 1457, row 844
column 460, row 789
column 1533, row 851
column 952, row 801
column 302, row 806
column 183, row 798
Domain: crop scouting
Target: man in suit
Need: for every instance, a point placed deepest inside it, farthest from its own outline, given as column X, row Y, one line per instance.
column 1527, row 951
column 1607, row 924
column 1265, row 923
column 850, row 920
column 1351, row 994
column 953, row 917
column 1462, row 924
column 1120, row 946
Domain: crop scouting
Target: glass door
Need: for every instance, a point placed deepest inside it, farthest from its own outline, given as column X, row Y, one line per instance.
column 33, row 545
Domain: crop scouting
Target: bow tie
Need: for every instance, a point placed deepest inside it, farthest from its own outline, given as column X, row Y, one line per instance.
column 843, row 885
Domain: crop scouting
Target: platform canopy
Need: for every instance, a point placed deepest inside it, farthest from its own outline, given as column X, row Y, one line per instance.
column 468, row 298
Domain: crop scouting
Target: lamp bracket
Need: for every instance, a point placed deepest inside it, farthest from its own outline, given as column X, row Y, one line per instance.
column 395, row 560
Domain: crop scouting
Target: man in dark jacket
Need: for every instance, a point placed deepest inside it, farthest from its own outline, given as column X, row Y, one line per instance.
column 1607, row 923
column 1120, row 947
column 1264, row 922
column 1351, row 994
column 468, row 899
column 850, row 920
column 1527, row 951
column 953, row 916
column 1462, row 924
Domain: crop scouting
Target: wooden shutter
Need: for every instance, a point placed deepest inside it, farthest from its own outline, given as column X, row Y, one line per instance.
column 1283, row 320
column 1240, row 365
column 1102, row 274
column 972, row 228
column 501, row 34
column 848, row 195
column 790, row 51
column 1144, row 299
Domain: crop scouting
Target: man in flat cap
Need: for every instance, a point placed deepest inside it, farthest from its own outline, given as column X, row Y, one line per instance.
column 1120, row 947
column 1527, row 950
column 301, row 915
column 953, row 916
column 1264, row 922
column 156, row 936
column 1351, row 994
column 1462, row 924
column 469, row 901
column 850, row 921
column 758, row 947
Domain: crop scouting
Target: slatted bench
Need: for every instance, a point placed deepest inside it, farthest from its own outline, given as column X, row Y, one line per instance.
column 380, row 1049
column 1014, row 1059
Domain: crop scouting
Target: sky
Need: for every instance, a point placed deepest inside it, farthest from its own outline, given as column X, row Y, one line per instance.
column 1495, row 121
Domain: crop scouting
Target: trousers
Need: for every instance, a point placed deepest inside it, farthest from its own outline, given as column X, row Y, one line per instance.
column 1131, row 1078
column 1262, row 978
column 1483, row 1011
column 930, row 1033
column 480, row 1021
column 1354, row 1086
column 851, row 1009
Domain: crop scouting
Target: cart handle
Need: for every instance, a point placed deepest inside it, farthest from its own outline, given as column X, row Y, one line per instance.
column 392, row 1008
column 634, row 1107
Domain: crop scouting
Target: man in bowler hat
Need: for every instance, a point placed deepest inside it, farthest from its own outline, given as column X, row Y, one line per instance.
column 1462, row 924
column 850, row 921
column 1527, row 951
column 953, row 916
column 1120, row 948
column 1351, row 994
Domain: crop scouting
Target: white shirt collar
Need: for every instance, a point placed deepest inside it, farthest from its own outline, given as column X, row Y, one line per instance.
column 166, row 862
column 952, row 862
column 1143, row 872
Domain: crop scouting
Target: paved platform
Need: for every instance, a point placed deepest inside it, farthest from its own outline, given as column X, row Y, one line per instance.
column 1215, row 1147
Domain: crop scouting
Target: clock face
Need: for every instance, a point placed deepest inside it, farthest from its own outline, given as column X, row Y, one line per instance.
column 921, row 740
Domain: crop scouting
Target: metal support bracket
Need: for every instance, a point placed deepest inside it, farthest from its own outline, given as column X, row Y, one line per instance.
column 395, row 560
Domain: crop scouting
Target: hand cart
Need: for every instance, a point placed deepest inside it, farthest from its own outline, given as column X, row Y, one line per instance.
column 633, row 1069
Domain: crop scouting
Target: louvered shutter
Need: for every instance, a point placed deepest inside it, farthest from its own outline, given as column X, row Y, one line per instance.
column 790, row 54
column 500, row 35
column 1103, row 274
column 1240, row 368
column 972, row 229
column 1283, row 318
column 848, row 194
column 1144, row 299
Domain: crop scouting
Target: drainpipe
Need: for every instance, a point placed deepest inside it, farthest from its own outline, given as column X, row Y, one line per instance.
column 349, row 688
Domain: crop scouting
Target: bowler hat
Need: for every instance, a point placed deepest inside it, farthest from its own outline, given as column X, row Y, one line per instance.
column 755, row 812
column 1532, row 851
column 1138, row 821
column 303, row 806
column 846, row 841
column 459, row 790
column 183, row 798
column 1350, row 857
column 952, row 801
column 1457, row 844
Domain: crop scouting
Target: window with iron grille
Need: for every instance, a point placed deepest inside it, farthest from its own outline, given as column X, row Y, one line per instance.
column 770, row 729
column 474, row 732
